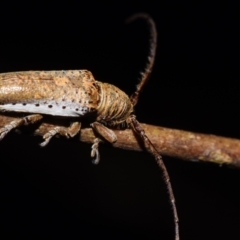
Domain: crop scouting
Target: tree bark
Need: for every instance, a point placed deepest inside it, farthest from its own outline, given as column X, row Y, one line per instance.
column 170, row 142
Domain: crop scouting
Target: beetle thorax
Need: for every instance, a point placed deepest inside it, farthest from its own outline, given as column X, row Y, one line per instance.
column 114, row 106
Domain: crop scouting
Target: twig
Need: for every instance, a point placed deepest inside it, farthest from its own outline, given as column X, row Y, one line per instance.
column 170, row 142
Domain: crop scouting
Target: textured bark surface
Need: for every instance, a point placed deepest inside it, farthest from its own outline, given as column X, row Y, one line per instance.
column 170, row 142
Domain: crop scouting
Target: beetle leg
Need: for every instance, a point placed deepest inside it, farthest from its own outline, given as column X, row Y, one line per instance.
column 104, row 132
column 19, row 122
column 63, row 131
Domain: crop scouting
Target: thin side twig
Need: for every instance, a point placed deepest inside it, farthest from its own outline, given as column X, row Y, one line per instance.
column 171, row 142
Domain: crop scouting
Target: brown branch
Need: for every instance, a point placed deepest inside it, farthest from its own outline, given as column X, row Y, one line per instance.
column 170, row 142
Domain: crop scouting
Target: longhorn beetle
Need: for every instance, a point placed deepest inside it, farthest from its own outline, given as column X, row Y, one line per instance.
column 76, row 94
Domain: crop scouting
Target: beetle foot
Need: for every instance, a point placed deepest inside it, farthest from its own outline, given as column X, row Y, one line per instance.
column 63, row 131
column 95, row 153
column 18, row 122
column 47, row 137
column 6, row 129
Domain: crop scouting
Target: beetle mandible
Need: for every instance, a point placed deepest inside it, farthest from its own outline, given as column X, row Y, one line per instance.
column 76, row 94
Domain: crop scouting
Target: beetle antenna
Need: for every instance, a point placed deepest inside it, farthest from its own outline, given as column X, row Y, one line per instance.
column 151, row 57
column 136, row 126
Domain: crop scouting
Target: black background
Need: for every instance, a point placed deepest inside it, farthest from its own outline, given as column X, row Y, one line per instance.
column 56, row 191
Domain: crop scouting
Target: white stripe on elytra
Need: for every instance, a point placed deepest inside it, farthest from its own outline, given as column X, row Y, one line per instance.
column 69, row 110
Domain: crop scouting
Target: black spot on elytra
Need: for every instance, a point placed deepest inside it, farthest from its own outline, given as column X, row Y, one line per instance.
column 63, row 107
column 24, row 104
column 37, row 105
column 76, row 109
column 50, row 106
